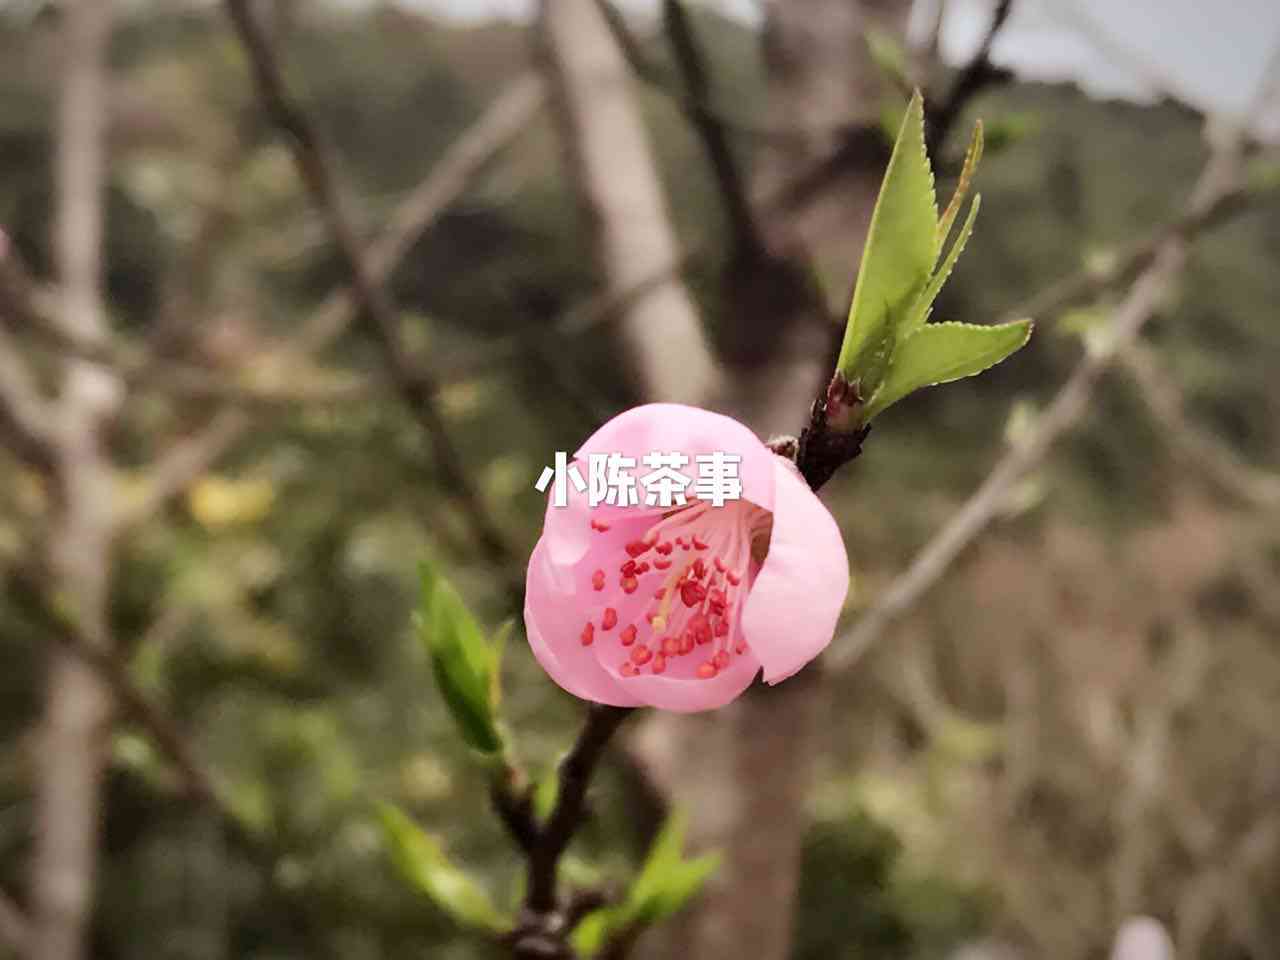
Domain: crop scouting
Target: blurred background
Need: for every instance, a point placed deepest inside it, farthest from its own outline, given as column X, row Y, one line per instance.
column 219, row 472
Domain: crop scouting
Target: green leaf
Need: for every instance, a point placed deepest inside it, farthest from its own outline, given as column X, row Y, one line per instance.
column 941, row 352
column 420, row 861
column 666, row 882
column 920, row 310
column 972, row 156
column 464, row 664
column 589, row 936
column 898, row 258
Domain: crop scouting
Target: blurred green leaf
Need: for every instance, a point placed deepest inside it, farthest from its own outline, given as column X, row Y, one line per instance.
column 423, row 865
column 898, row 258
column 464, row 663
column 666, row 882
column 942, row 352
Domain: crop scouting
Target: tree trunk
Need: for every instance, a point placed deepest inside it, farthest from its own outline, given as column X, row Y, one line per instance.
column 79, row 704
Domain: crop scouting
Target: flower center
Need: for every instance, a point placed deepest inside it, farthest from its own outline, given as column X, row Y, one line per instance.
column 695, row 561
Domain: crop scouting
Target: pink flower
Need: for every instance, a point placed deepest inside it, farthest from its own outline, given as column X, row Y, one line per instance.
column 681, row 607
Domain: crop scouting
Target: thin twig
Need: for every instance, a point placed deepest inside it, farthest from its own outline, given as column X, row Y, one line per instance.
column 414, row 383
column 1218, row 182
column 1260, row 488
column 711, row 131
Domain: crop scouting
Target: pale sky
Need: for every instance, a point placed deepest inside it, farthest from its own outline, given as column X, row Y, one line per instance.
column 1210, row 54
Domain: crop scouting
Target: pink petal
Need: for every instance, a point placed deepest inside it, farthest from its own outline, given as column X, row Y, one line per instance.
column 674, row 427
column 791, row 611
column 553, row 619
column 693, row 694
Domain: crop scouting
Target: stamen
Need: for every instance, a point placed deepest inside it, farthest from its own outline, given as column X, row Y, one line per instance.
column 588, row 634
column 610, row 619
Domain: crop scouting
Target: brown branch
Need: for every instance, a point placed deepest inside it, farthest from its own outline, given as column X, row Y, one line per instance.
column 416, row 386
column 710, row 130
column 544, row 924
column 470, row 155
column 1218, row 182
column 978, row 74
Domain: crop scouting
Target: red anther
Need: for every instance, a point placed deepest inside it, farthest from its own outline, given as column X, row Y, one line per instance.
column 636, row 547
column 610, row 619
column 722, row 659
column 588, row 634
column 629, row 584
column 702, row 636
column 599, row 525
column 628, row 569
column 662, row 564
column 699, row 569
column 670, row 646
column 665, row 547
column 707, row 670
column 659, row 593
column 628, row 635
column 628, row 669
column 699, row 544
column 680, row 541
column 720, row 564
column 686, row 546
column 722, row 628
column 640, row 654
column 643, row 568
column 597, row 580
column 741, row 647
column 733, row 578
column 659, row 664
column 650, row 615
column 692, row 593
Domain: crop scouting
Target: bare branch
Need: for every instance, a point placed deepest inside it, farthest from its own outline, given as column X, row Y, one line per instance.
column 1218, row 182
column 78, row 708
column 507, row 117
column 416, row 386
column 1199, row 447
column 978, row 74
